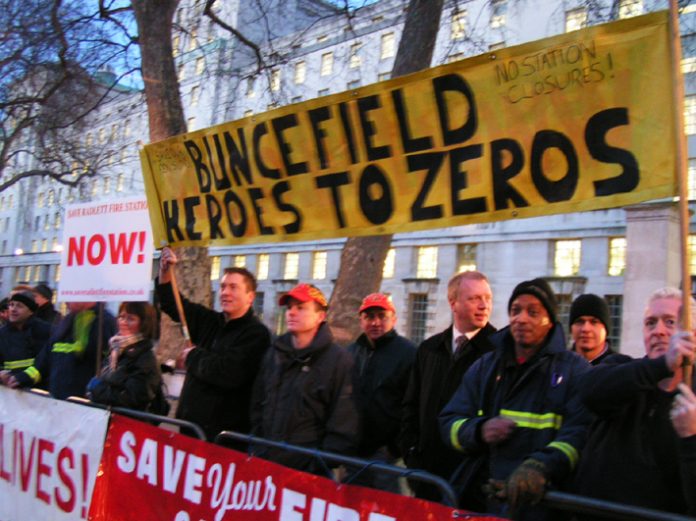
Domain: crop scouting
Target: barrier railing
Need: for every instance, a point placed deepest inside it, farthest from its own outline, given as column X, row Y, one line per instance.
column 449, row 498
column 142, row 415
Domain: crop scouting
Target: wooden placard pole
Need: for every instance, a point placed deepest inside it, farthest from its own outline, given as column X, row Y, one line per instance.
column 682, row 178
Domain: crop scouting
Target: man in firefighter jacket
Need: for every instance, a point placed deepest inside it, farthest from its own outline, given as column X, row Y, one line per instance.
column 517, row 415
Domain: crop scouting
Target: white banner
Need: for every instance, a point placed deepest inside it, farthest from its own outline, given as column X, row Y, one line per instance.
column 107, row 252
column 49, row 456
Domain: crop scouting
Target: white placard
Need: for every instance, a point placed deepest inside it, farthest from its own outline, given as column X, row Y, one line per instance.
column 107, row 252
column 49, row 456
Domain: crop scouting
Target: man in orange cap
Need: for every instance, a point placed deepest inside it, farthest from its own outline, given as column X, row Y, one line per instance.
column 383, row 361
column 303, row 394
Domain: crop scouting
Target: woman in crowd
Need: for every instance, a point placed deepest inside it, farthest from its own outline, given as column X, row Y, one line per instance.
column 131, row 376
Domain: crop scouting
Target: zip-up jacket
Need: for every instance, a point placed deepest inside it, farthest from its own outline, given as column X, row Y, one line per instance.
column 19, row 346
column 220, row 371
column 633, row 453
column 380, row 377
column 304, row 397
column 541, row 396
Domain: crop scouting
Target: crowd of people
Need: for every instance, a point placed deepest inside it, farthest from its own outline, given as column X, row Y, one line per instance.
column 503, row 415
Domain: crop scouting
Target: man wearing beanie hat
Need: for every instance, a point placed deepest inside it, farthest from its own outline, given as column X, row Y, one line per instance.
column 303, row 394
column 589, row 327
column 44, row 300
column 517, row 414
column 21, row 338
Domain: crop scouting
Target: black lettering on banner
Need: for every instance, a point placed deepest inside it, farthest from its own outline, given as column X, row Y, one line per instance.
column 232, row 200
column 190, row 204
column 409, row 143
column 376, row 210
column 595, row 136
column 459, row 180
column 222, row 182
column 454, row 83
column 563, row 189
column 202, row 172
column 239, row 156
column 278, row 190
column 280, row 125
column 365, row 105
column 214, row 216
column 348, row 131
column 255, row 194
column 316, row 116
column 431, row 161
column 260, row 130
column 171, row 220
column 333, row 182
column 503, row 191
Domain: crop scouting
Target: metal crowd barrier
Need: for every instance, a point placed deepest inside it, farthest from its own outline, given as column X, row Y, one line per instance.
column 449, row 498
column 571, row 503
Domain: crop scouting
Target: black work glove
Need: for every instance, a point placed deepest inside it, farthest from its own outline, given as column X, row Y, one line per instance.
column 526, row 485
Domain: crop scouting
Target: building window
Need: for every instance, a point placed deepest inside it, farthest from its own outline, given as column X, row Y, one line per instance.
column 262, row 265
column 56, row 275
column 34, row 246
column 575, row 19
column 259, row 299
column 300, row 73
column 426, row 264
column 617, row 256
column 458, row 31
column 107, row 185
column 44, row 245
column 690, row 114
column 630, row 8
column 191, row 123
column 200, row 65
column 291, row 266
column 387, row 46
column 296, row 99
column 354, row 58
column 101, row 135
column 615, row 303
column 272, row 105
column 319, row 265
column 691, row 181
column 239, row 261
column 248, row 113
column 322, row 92
column 119, row 182
column 195, row 95
column 498, row 13
column 466, row 257
column 383, row 76
column 566, row 261
column 46, row 223
column 353, row 84
column 40, row 200
column 564, row 301
column 389, row 264
column 326, row 64
column 322, row 38
column 181, row 73
column 281, row 321
column 688, row 65
column 417, row 316
column 455, row 57
column 275, row 80
column 250, row 87
column 51, row 197
column 214, row 268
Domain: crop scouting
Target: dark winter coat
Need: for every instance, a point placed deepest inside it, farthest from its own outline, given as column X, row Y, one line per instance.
column 633, row 454
column 220, row 371
column 134, row 382
column 48, row 313
column 19, row 347
column 304, row 397
column 380, row 377
column 69, row 360
column 541, row 396
column 435, row 377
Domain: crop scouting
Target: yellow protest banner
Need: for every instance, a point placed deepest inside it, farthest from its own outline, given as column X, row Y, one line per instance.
column 579, row 121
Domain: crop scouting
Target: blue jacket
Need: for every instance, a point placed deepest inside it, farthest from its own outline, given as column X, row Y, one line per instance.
column 541, row 396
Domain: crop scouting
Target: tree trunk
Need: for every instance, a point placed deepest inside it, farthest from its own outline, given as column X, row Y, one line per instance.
column 166, row 119
column 362, row 258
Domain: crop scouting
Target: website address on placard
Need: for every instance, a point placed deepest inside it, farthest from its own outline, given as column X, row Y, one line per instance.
column 101, row 291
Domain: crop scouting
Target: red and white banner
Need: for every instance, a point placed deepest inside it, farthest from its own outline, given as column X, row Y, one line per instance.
column 49, row 456
column 169, row 477
column 107, row 252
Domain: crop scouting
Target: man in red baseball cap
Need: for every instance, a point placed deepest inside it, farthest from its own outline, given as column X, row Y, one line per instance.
column 303, row 394
column 383, row 361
